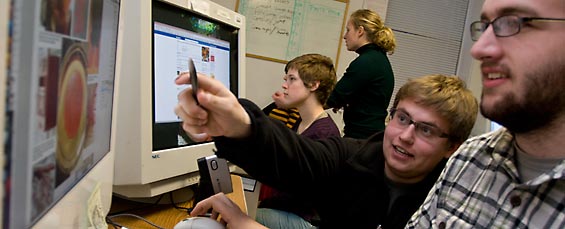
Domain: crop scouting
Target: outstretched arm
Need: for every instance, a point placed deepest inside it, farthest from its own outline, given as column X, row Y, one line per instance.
column 219, row 112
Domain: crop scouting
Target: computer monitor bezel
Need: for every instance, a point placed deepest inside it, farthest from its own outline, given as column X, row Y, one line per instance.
column 89, row 182
column 141, row 172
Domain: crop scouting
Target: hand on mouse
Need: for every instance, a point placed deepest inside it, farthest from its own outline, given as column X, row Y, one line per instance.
column 230, row 213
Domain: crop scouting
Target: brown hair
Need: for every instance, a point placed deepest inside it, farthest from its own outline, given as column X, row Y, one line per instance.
column 312, row 68
column 377, row 32
column 449, row 96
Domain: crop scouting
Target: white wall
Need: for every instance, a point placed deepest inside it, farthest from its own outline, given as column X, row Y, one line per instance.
column 468, row 67
column 265, row 77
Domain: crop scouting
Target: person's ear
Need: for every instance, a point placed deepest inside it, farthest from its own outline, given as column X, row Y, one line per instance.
column 360, row 31
column 451, row 149
column 314, row 86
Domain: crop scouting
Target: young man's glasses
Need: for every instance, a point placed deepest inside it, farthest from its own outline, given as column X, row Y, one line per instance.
column 401, row 119
column 505, row 26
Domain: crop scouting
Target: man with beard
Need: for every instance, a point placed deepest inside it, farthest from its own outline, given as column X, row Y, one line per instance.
column 513, row 177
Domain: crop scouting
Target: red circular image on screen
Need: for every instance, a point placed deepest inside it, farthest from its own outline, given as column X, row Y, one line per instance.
column 71, row 111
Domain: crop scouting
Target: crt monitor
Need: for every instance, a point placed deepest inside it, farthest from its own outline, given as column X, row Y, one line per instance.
column 58, row 113
column 153, row 153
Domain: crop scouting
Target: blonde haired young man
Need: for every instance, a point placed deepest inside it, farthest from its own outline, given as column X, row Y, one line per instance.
column 369, row 183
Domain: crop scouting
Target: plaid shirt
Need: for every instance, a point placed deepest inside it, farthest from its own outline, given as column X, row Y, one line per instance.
column 481, row 188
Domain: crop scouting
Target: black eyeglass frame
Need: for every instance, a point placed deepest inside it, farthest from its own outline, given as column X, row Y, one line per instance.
column 416, row 124
column 476, row 32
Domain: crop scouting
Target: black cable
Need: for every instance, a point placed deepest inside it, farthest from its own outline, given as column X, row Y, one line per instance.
column 188, row 210
column 114, row 224
column 134, row 216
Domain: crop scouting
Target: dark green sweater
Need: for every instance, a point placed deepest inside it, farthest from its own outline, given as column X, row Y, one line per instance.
column 364, row 92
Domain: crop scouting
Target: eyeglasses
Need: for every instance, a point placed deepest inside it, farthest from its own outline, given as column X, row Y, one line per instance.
column 423, row 130
column 505, row 26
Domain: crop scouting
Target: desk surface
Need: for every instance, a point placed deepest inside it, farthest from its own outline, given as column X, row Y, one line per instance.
column 164, row 215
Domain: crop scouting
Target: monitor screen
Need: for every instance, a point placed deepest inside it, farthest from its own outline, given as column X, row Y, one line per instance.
column 59, row 102
column 157, row 48
column 177, row 36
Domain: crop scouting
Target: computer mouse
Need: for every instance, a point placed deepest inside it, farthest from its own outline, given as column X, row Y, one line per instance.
column 199, row 223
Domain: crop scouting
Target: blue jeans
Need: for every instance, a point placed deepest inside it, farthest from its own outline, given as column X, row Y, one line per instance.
column 275, row 219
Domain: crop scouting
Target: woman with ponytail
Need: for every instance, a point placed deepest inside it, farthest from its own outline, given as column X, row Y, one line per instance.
column 365, row 89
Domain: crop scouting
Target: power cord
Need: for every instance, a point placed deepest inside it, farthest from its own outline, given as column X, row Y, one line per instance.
column 115, row 225
column 188, row 210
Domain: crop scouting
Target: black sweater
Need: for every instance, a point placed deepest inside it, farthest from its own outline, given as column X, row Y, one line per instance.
column 343, row 177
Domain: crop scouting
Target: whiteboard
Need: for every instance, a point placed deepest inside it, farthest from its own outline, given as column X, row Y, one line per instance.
column 280, row 30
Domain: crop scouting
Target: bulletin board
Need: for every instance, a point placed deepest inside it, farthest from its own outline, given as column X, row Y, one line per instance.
column 280, row 30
